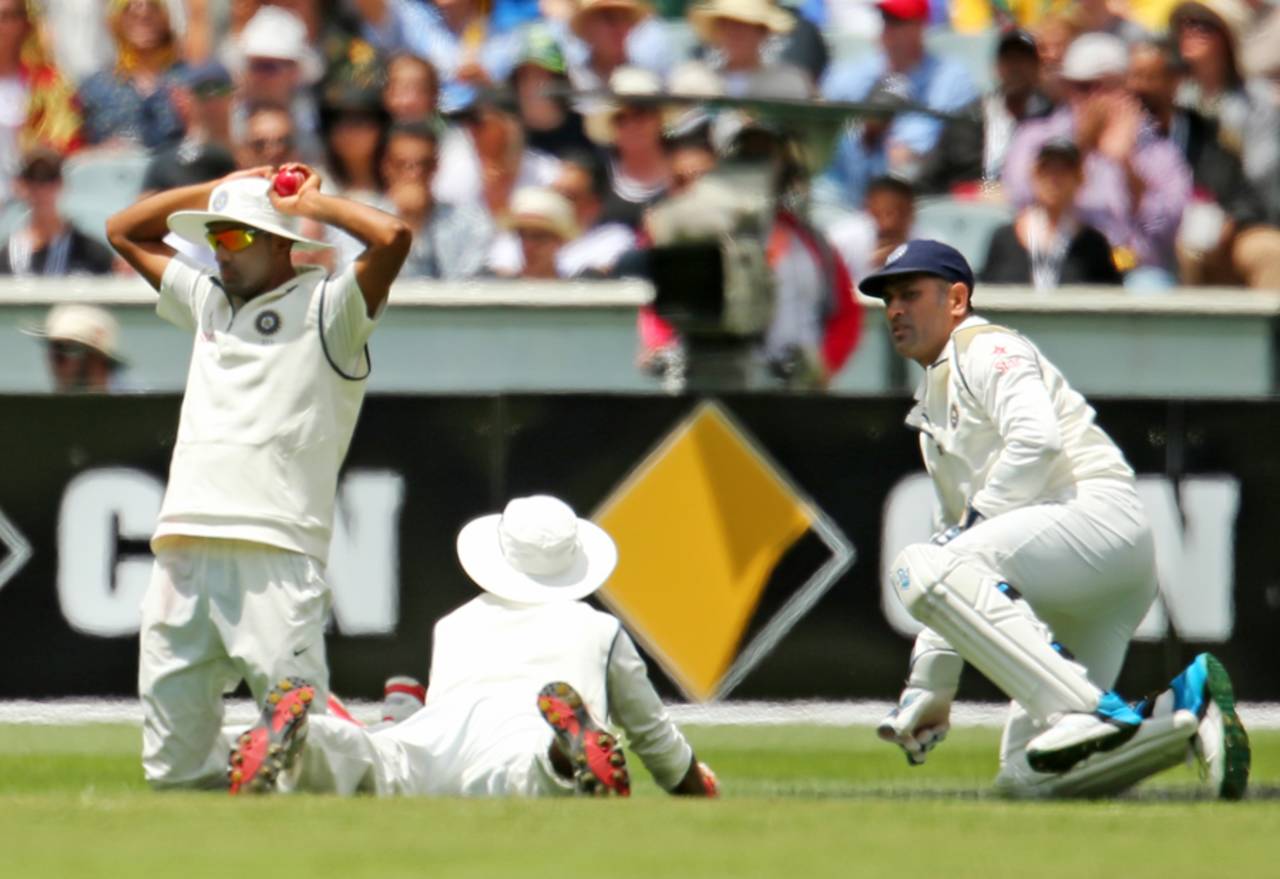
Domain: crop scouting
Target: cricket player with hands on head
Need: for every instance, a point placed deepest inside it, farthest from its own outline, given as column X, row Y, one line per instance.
column 523, row 678
column 276, row 382
column 1043, row 564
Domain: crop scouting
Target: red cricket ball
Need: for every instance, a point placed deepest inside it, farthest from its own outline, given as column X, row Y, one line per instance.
column 288, row 182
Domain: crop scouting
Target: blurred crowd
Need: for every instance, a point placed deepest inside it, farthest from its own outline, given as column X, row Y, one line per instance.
column 1099, row 143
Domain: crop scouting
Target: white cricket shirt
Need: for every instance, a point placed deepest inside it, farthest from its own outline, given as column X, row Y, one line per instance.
column 490, row 658
column 1000, row 428
column 269, row 409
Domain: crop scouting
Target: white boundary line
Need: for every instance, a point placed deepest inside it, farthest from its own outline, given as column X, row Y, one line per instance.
column 70, row 712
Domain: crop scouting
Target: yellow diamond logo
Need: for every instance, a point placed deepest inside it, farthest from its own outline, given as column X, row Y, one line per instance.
column 701, row 526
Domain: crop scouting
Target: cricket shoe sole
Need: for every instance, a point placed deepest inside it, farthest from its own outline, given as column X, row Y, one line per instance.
column 269, row 747
column 1221, row 744
column 600, row 767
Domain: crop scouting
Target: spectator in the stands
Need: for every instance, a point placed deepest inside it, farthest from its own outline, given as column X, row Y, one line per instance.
column 412, row 91
column 866, row 238
column 602, row 28
column 583, row 181
column 1053, row 35
column 46, row 244
column 1209, row 35
column 1102, row 16
column 550, row 122
column 202, row 96
column 1136, row 183
column 484, row 159
column 82, row 346
column 1227, row 235
column 269, row 137
column 736, row 31
column 631, row 125
column 1047, row 245
column 457, row 36
column 278, row 66
column 938, row 83
column 543, row 221
column 129, row 103
column 354, row 125
column 971, row 150
column 450, row 241
column 862, row 153
column 38, row 106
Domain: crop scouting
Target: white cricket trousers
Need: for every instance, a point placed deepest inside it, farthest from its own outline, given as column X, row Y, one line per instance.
column 1087, row 568
column 217, row 612
column 470, row 747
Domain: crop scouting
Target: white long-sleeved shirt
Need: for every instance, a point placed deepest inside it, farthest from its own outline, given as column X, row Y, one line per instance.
column 490, row 658
column 1000, row 428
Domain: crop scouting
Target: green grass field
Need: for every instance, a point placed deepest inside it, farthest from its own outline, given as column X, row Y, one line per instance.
column 798, row 802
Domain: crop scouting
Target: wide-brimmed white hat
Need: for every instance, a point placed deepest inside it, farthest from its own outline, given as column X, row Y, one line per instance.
column 536, row 551
column 85, row 325
column 278, row 33
column 764, row 13
column 536, row 207
column 243, row 200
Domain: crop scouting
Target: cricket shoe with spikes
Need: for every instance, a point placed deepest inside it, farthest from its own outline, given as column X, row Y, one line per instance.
column 1078, row 735
column 599, row 766
column 269, row 747
column 1220, row 745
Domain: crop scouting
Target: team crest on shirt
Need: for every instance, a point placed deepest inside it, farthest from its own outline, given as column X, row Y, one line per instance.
column 267, row 323
column 219, row 202
column 896, row 254
column 955, row 415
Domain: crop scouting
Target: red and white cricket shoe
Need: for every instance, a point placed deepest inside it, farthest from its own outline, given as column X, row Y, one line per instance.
column 269, row 747
column 600, row 767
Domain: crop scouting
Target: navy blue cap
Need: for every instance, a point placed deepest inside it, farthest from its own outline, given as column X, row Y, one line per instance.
column 920, row 257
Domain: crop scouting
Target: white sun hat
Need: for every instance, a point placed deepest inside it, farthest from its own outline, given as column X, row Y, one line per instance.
column 85, row 325
column 1094, row 56
column 278, row 33
column 243, row 200
column 536, row 207
column 536, row 551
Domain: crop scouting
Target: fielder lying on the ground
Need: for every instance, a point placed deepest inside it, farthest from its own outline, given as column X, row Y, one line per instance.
column 1042, row 543
column 518, row 677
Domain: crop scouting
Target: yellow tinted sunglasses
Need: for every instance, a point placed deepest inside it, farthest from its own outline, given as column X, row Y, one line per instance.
column 233, row 240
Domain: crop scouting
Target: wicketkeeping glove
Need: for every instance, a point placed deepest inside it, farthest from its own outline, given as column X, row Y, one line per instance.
column 919, row 722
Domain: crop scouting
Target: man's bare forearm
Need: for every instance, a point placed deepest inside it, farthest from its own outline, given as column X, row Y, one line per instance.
column 147, row 220
column 372, row 227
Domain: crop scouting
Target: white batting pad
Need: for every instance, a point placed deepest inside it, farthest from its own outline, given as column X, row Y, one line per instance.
column 996, row 634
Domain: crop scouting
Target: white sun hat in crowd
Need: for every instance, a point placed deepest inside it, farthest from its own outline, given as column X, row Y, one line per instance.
column 624, row 82
column 764, row 13
column 85, row 325
column 278, row 33
column 1095, row 56
column 536, row 551
column 536, row 207
column 243, row 200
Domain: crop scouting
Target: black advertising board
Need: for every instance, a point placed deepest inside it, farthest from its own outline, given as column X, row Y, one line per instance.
column 83, row 478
